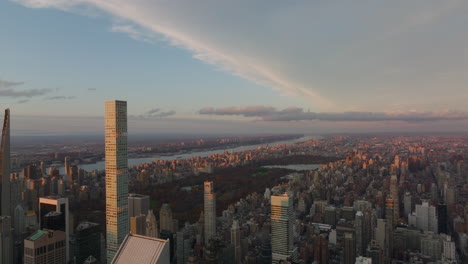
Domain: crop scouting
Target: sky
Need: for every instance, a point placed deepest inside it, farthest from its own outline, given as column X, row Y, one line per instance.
column 245, row 66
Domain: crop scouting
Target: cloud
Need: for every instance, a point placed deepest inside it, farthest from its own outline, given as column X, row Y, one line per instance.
column 92, row 89
column 7, row 84
column 264, row 113
column 60, row 97
column 330, row 55
column 153, row 114
column 22, row 101
column 248, row 111
column 24, row 93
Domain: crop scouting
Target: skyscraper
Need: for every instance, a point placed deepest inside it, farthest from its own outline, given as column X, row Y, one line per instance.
column 6, row 236
column 151, row 225
column 137, row 204
column 165, row 218
column 359, row 234
column 87, row 241
column 5, row 166
column 210, row 211
column 395, row 196
column 236, row 241
column 59, row 221
column 281, row 227
column 389, row 216
column 349, row 253
column 6, row 240
column 45, row 246
column 116, row 176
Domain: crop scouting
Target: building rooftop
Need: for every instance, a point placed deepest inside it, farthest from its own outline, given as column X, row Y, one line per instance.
column 142, row 250
column 37, row 235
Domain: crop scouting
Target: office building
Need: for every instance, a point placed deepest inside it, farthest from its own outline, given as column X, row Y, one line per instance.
column 138, row 225
column 359, row 231
column 209, row 210
column 236, row 241
column 142, row 250
column 349, row 249
column 151, row 229
column 389, row 216
column 166, row 219
column 407, row 200
column 137, row 204
column 396, row 200
column 282, row 228
column 6, row 239
column 375, row 252
column 87, row 242
column 45, row 247
column 424, row 217
column 58, row 205
column 117, row 220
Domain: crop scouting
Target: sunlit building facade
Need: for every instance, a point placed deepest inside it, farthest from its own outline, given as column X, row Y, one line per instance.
column 117, row 220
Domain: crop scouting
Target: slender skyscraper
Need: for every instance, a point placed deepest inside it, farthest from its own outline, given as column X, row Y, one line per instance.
column 6, row 236
column 281, row 228
column 5, row 166
column 236, row 241
column 210, row 211
column 116, row 176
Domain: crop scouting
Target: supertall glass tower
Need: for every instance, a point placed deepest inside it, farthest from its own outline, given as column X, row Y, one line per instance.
column 116, row 176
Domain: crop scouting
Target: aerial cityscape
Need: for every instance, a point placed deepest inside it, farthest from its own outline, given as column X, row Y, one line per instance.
column 233, row 132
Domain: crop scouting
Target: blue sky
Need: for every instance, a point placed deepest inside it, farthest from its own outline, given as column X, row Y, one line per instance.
column 395, row 58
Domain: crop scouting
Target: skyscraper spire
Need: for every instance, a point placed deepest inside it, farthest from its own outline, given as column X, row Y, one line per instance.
column 5, row 166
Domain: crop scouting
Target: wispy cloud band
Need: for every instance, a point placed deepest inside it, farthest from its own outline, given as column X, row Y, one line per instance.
column 266, row 113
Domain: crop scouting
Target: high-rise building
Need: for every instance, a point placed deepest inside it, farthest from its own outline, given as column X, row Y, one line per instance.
column 138, row 224
column 45, row 247
column 389, row 216
column 236, row 241
column 57, row 205
column 209, row 210
column 151, row 225
column 116, row 176
column 5, row 166
column 442, row 218
column 165, row 217
column 137, row 204
column 6, row 240
column 374, row 251
column 282, row 228
column 6, row 235
column 330, row 216
column 396, row 200
column 349, row 249
column 424, row 217
column 87, row 242
column 359, row 231
column 407, row 203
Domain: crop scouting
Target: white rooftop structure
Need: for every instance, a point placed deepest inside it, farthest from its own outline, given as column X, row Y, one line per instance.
column 137, row 249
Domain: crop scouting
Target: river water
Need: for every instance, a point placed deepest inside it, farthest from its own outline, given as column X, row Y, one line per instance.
column 100, row 165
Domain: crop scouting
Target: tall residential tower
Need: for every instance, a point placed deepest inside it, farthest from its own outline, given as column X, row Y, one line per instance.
column 6, row 239
column 209, row 211
column 116, row 176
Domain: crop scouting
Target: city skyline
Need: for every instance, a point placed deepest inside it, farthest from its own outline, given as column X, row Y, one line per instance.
column 186, row 73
